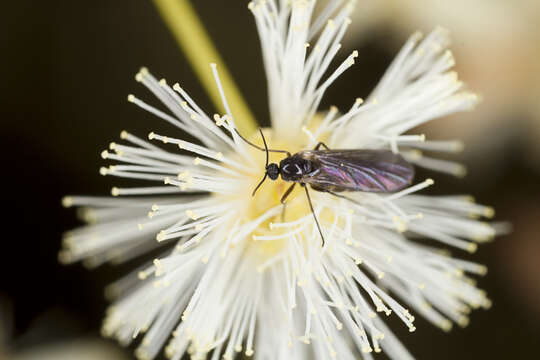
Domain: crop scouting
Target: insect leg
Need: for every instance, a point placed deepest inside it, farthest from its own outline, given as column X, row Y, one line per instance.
column 343, row 197
column 313, row 212
column 287, row 193
column 283, row 198
column 321, row 144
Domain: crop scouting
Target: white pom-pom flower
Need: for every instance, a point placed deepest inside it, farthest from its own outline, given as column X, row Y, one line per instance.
column 235, row 273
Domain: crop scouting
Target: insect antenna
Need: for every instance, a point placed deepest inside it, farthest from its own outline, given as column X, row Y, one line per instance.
column 265, row 147
column 314, row 216
column 265, row 166
column 258, row 147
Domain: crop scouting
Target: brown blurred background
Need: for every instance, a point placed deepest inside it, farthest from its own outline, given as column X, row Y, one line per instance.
column 68, row 66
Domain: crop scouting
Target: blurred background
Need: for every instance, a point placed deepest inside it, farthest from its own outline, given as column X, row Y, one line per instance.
column 67, row 69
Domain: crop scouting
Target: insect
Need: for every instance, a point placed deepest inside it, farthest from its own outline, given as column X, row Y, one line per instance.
column 334, row 171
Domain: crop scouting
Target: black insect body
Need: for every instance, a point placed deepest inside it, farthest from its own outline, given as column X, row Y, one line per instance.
column 296, row 167
column 334, row 171
column 348, row 170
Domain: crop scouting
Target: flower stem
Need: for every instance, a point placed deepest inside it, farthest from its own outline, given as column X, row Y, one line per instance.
column 185, row 25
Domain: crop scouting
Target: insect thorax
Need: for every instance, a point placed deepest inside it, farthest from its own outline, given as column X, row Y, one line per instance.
column 295, row 167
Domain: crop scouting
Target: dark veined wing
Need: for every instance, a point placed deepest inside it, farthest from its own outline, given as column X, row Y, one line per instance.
column 358, row 170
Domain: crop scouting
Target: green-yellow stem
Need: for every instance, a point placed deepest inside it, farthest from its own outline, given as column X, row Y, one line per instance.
column 197, row 46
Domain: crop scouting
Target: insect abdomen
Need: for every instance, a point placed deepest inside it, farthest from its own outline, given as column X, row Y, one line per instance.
column 360, row 170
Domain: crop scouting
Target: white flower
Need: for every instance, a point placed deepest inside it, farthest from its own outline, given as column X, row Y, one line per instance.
column 233, row 275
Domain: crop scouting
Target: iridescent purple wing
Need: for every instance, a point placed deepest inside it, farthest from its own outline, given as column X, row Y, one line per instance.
column 357, row 170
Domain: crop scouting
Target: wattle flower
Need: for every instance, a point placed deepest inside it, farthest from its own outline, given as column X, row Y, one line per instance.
column 236, row 273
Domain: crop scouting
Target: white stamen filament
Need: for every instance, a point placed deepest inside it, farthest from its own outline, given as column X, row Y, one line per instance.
column 230, row 275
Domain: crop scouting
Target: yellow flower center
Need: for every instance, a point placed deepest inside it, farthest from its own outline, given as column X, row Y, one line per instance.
column 270, row 193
